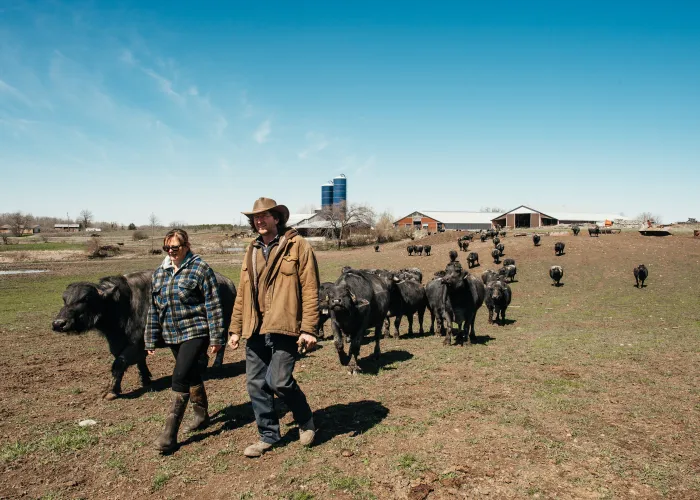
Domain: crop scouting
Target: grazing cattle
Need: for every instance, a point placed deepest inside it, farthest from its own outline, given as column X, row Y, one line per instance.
column 496, row 254
column 473, row 259
column 376, row 248
column 324, row 312
column 496, row 241
column 466, row 295
column 419, row 249
column 410, row 249
column 488, row 276
column 483, row 237
column 594, row 231
column 117, row 307
column 414, row 271
column 508, row 262
column 411, row 300
column 508, row 271
column 575, row 230
column 556, row 273
column 640, row 274
column 497, row 299
column 464, row 246
column 559, row 248
column 503, row 234
column 536, row 239
column 427, row 249
column 438, row 303
column 453, row 264
column 358, row 300
column 500, row 247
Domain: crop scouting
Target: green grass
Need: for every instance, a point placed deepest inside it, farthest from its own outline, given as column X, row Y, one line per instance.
column 159, row 480
column 42, row 246
column 72, row 439
column 13, row 451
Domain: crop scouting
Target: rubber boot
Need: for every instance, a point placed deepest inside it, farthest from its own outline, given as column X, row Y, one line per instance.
column 167, row 441
column 200, row 407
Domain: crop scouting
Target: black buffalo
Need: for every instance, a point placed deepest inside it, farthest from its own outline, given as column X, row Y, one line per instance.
column 594, row 231
column 324, row 312
column 488, row 276
column 466, row 296
column 496, row 254
column 496, row 241
column 413, row 271
column 536, row 239
column 411, row 299
column 410, row 249
column 500, row 248
column 473, row 259
column 640, row 274
column 358, row 300
column 427, row 249
column 463, row 245
column 418, row 249
column 438, row 303
column 559, row 248
column 497, row 299
column 556, row 273
column 483, row 237
column 575, row 230
column 376, row 248
column 117, row 307
column 508, row 271
column 509, row 262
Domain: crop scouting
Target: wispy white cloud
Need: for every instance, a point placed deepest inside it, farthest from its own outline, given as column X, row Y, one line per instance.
column 165, row 85
column 316, row 143
column 263, row 132
column 366, row 165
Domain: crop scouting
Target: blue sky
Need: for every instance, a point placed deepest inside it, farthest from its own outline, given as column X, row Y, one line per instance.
column 191, row 111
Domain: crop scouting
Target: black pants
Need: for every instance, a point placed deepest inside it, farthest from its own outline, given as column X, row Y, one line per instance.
column 187, row 372
column 270, row 361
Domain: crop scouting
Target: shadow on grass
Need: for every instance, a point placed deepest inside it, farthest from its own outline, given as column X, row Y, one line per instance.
column 371, row 366
column 157, row 385
column 227, row 370
column 357, row 417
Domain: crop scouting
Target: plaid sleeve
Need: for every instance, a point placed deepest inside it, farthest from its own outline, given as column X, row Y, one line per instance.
column 215, row 317
column 153, row 328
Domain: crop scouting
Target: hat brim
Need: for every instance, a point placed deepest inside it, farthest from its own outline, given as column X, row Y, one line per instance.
column 282, row 210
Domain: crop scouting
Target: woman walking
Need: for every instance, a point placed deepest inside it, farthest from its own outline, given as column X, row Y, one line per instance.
column 185, row 313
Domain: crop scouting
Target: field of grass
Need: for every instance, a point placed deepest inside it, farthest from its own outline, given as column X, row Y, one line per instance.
column 591, row 392
column 42, row 246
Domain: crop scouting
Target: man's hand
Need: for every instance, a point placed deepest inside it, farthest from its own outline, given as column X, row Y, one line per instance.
column 233, row 341
column 306, row 342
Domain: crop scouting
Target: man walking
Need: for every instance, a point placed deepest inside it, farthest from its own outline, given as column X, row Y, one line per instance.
column 276, row 310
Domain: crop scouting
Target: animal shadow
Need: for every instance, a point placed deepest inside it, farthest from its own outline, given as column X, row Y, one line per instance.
column 227, row 370
column 506, row 322
column 483, row 339
column 557, row 284
column 372, row 366
column 157, row 385
column 357, row 417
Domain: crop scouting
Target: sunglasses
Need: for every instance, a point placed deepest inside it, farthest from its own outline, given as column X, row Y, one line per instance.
column 174, row 248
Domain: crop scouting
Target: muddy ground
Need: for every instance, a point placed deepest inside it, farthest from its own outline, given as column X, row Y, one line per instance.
column 590, row 391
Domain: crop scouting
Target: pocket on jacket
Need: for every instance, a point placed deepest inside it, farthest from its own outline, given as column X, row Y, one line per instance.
column 156, row 294
column 289, row 266
column 188, row 292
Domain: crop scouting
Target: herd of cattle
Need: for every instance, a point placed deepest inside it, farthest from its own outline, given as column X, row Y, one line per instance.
column 359, row 300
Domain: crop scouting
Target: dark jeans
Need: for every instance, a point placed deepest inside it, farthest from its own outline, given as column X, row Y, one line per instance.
column 269, row 365
column 187, row 372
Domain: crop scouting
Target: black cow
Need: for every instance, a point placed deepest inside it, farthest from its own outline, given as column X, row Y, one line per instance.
column 466, row 295
column 464, row 246
column 376, row 248
column 438, row 304
column 497, row 299
column 559, row 248
column 509, row 262
column 500, row 248
column 358, row 300
column 483, row 237
column 419, row 249
column 427, row 249
column 594, row 231
column 410, row 249
column 508, row 271
column 536, row 239
column 488, row 276
column 414, row 271
column 503, row 234
column 411, row 300
column 453, row 264
column 324, row 312
column 473, row 259
column 575, row 230
column 556, row 273
column 640, row 274
column 496, row 241
column 117, row 307
column 496, row 254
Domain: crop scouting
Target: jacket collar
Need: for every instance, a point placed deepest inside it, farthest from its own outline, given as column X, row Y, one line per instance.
column 168, row 263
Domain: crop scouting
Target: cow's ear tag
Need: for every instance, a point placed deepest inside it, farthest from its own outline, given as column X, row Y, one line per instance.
column 353, row 298
column 363, row 303
column 327, row 298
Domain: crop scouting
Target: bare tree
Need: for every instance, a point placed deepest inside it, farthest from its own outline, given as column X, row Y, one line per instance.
column 85, row 218
column 177, row 223
column 342, row 217
column 153, row 221
column 494, row 210
column 18, row 222
column 308, row 209
column 648, row 216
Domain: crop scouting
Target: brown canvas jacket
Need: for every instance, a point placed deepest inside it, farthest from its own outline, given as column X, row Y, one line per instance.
column 289, row 285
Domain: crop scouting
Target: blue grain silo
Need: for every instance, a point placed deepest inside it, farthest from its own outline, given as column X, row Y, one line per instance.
column 340, row 185
column 326, row 194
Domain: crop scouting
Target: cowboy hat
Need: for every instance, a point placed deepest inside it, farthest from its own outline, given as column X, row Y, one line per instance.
column 268, row 204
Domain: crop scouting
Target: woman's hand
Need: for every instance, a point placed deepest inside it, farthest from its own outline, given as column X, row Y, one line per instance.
column 214, row 349
column 150, row 352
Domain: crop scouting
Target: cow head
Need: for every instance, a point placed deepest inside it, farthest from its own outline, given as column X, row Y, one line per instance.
column 83, row 306
column 341, row 299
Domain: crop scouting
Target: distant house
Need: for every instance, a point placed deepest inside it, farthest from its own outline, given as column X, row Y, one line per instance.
column 524, row 216
column 68, row 228
column 7, row 229
column 93, row 229
column 433, row 221
column 317, row 225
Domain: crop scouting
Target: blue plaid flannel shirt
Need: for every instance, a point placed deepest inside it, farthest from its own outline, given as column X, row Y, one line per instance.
column 184, row 304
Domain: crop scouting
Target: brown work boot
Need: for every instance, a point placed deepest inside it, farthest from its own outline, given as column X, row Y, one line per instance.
column 307, row 433
column 257, row 449
column 200, row 406
column 167, row 441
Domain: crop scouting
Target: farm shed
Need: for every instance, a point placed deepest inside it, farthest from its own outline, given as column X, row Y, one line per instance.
column 7, row 229
column 438, row 221
column 69, row 228
column 316, row 225
column 524, row 216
